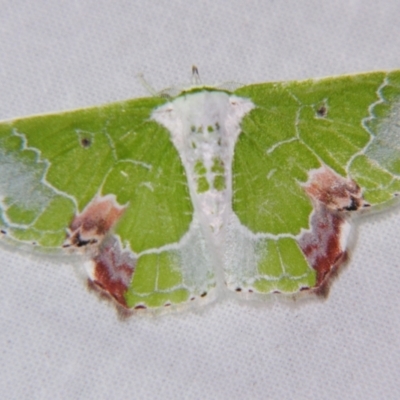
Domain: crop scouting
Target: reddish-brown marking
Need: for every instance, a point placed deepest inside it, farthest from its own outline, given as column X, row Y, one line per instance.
column 333, row 197
column 114, row 269
column 334, row 191
column 98, row 217
column 322, row 246
column 94, row 222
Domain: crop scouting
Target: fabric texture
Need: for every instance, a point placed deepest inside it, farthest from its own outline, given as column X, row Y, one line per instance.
column 58, row 340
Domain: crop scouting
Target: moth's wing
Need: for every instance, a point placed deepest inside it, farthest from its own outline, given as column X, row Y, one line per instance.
column 106, row 181
column 309, row 156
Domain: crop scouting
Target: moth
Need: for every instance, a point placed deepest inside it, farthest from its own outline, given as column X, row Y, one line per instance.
column 174, row 200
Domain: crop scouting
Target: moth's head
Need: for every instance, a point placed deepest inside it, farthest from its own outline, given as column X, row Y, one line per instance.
column 195, row 86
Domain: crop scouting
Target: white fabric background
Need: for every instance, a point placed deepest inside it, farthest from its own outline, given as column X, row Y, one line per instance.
column 57, row 340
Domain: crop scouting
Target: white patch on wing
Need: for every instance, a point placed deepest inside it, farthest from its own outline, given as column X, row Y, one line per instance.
column 20, row 181
column 204, row 127
column 385, row 147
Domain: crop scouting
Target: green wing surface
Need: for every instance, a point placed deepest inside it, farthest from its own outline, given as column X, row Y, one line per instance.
column 311, row 154
column 108, row 182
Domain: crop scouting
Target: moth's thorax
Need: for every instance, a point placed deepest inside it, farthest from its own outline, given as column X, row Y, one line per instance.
column 204, row 127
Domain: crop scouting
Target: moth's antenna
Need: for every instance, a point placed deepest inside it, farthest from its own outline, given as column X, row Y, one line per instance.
column 195, row 76
column 147, row 85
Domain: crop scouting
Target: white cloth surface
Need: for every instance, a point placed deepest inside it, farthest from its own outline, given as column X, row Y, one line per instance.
column 58, row 340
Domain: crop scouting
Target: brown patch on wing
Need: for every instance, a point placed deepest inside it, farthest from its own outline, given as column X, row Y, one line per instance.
column 95, row 221
column 322, row 246
column 325, row 245
column 113, row 267
column 333, row 191
column 113, row 270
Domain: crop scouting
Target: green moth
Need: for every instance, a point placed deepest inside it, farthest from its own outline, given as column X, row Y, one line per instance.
column 176, row 200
